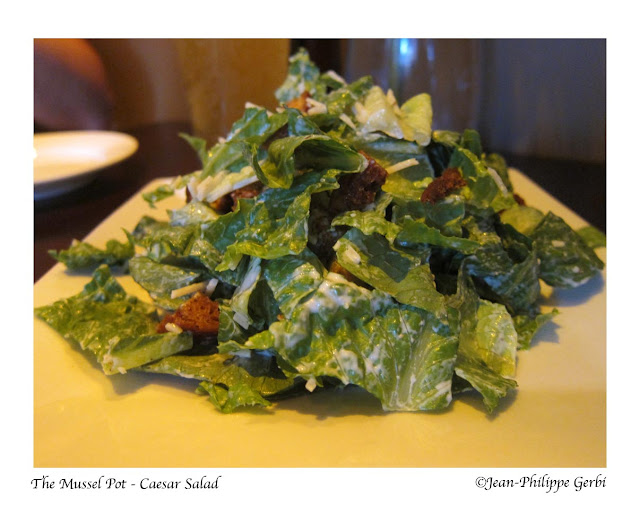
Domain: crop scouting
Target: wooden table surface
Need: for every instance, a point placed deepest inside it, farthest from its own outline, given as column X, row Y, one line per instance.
column 162, row 153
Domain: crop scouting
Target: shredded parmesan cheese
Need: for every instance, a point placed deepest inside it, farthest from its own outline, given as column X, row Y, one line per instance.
column 333, row 75
column 346, row 119
column 211, row 286
column 401, row 165
column 317, row 110
column 311, row 384
column 352, row 255
column 173, row 328
column 498, row 181
column 361, row 113
column 212, row 188
column 186, row 290
column 315, row 106
column 241, row 320
column 202, row 188
column 244, row 182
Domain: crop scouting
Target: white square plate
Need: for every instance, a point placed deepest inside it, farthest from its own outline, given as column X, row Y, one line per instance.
column 556, row 418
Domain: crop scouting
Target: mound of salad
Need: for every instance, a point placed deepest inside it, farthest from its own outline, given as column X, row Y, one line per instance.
column 337, row 240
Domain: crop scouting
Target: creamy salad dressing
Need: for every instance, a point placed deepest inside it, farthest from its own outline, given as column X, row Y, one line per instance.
column 406, row 339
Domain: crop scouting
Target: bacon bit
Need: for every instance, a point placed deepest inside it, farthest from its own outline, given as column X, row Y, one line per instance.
column 300, row 102
column 229, row 202
column 223, row 205
column 247, row 192
column 440, row 187
column 199, row 315
column 519, row 199
column 358, row 190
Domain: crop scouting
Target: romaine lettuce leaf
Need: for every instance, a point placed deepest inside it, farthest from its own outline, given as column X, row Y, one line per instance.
column 341, row 100
column 417, row 116
column 303, row 75
column 373, row 260
column 592, row 237
column 527, row 327
column 388, row 151
column 486, row 190
column 446, row 215
column 499, row 164
column 514, row 284
column 470, row 139
column 225, row 156
column 505, row 268
column 523, row 218
column 164, row 242
column 415, row 232
column 401, row 354
column 229, row 399
column 369, row 222
column 270, row 230
column 293, row 278
column 265, row 237
column 159, row 193
column 239, row 302
column 379, row 112
column 317, row 152
column 193, row 213
column 198, row 144
column 161, row 279
column 566, row 261
column 402, row 188
column 82, row 255
column 256, row 125
column 230, row 381
column 487, row 344
column 117, row 328
column 491, row 386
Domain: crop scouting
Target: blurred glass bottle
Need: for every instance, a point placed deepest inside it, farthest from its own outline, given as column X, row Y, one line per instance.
column 448, row 69
column 222, row 75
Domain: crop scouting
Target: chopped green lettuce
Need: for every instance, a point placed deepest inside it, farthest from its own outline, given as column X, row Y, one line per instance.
column 414, row 302
column 379, row 112
column 82, row 255
column 528, row 327
column 592, row 237
column 303, row 76
column 524, row 219
column 373, row 260
column 160, row 279
column 289, row 155
column 413, row 232
column 566, row 261
column 402, row 355
column 488, row 343
column 230, row 381
column 117, row 328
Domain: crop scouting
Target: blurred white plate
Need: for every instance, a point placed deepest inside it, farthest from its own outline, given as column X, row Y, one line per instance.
column 64, row 161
